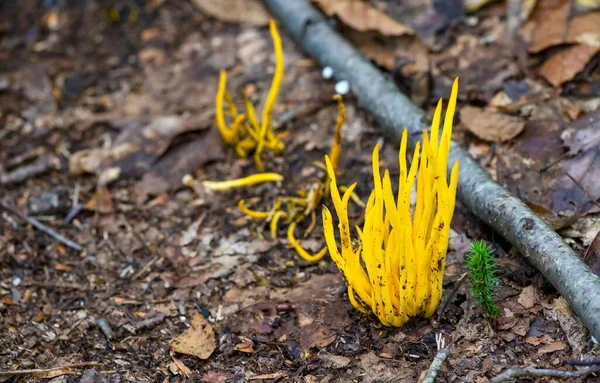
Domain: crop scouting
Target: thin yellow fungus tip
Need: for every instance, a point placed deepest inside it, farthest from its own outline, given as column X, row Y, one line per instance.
column 397, row 269
column 242, row 182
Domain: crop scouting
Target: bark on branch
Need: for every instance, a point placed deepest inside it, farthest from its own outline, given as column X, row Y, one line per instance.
column 484, row 197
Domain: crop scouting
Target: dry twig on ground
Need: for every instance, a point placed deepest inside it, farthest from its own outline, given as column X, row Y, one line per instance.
column 45, row 370
column 488, row 200
column 41, row 227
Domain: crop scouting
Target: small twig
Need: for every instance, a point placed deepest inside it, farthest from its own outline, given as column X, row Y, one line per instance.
column 103, row 324
column 150, row 322
column 21, row 174
column 76, row 207
column 27, row 156
column 442, row 354
column 551, row 164
column 44, row 370
column 452, row 293
column 585, row 192
column 41, row 227
column 512, row 373
column 584, row 362
column 146, row 267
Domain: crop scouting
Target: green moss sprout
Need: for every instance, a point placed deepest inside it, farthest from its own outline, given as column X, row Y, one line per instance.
column 483, row 271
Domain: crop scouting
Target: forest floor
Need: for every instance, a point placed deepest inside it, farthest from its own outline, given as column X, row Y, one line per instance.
column 104, row 108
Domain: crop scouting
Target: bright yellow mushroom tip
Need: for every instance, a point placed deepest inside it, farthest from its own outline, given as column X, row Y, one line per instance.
column 403, row 252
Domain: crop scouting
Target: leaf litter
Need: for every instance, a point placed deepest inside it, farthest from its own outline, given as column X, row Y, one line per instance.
column 144, row 109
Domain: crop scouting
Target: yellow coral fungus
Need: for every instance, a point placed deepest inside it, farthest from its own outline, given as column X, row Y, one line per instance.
column 403, row 254
column 246, row 133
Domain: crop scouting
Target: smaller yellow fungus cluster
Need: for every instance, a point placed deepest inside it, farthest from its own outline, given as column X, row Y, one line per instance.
column 397, row 269
column 246, row 133
column 293, row 210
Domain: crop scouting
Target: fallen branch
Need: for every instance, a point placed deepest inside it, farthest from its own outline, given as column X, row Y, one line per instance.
column 41, row 227
column 512, row 373
column 485, row 198
column 45, row 370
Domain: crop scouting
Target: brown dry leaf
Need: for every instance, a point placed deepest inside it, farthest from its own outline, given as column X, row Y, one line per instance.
column 551, row 25
column 552, row 347
column 527, row 297
column 198, row 340
column 563, row 66
column 235, row 11
column 363, row 17
column 490, row 125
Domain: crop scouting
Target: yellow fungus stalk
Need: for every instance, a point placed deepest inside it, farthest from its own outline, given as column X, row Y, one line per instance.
column 242, row 182
column 300, row 250
column 403, row 252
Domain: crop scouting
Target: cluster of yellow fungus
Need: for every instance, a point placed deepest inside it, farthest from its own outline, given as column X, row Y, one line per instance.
column 293, row 210
column 246, row 133
column 396, row 272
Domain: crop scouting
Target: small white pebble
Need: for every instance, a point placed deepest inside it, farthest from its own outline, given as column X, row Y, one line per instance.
column 16, row 281
column 472, row 21
column 342, row 87
column 327, row 72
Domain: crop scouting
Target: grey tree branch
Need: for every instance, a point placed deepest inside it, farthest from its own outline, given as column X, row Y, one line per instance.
column 512, row 373
column 485, row 198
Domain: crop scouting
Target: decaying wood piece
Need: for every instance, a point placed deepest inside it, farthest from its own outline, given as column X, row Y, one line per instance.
column 488, row 200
